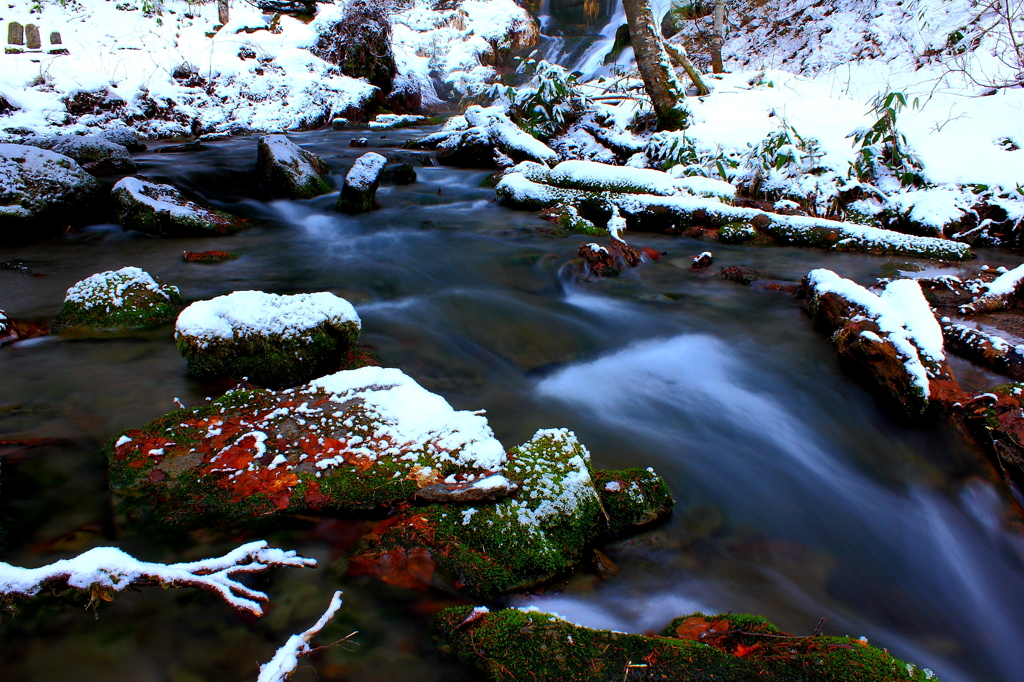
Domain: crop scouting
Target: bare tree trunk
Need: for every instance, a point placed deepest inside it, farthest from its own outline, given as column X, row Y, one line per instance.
column 718, row 37
column 222, row 11
column 655, row 68
column 679, row 56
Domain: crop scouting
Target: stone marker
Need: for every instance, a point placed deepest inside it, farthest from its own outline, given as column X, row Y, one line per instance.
column 15, row 34
column 55, row 38
column 32, row 39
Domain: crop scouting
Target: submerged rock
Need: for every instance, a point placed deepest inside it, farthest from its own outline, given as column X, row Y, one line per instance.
column 146, row 206
column 207, row 256
column 288, row 170
column 514, row 644
column 357, row 439
column 361, row 183
column 41, row 192
column 272, row 340
column 560, row 509
column 95, row 154
column 117, row 300
column 402, row 174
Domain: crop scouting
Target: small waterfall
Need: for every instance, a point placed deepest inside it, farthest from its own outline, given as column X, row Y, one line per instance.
column 583, row 53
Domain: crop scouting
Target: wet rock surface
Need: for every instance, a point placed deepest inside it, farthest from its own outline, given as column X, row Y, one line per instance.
column 361, row 183
column 96, row 154
column 163, row 211
column 289, row 171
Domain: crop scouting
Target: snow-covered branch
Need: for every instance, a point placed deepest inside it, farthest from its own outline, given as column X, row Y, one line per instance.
column 284, row 662
column 108, row 568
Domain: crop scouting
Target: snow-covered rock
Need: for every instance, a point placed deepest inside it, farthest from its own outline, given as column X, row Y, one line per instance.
column 124, row 136
column 8, row 332
column 471, row 140
column 94, row 153
column 270, row 339
column 361, row 183
column 388, row 121
column 351, row 440
column 129, row 298
column 41, row 192
column 287, row 170
column 162, row 210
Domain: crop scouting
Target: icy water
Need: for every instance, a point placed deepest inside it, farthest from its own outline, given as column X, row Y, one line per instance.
column 797, row 497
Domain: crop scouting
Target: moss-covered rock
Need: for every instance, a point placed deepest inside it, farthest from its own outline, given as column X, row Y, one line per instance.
column 269, row 339
column 360, row 44
column 161, row 210
column 402, row 174
column 118, row 300
column 353, row 440
column 95, row 154
column 287, row 170
column 41, row 192
column 560, row 509
column 515, row 644
column 361, row 183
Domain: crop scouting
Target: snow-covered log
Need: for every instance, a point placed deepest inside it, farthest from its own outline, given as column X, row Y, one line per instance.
column 985, row 349
column 1002, row 292
column 284, row 662
column 110, row 569
column 892, row 338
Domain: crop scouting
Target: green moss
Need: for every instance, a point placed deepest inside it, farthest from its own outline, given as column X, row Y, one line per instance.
column 192, row 221
column 517, row 645
column 516, row 543
column 570, row 220
column 271, row 361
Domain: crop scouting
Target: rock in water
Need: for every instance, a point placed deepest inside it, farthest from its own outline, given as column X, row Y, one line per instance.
column 8, row 332
column 124, row 136
column 288, row 170
column 118, row 300
column 515, row 543
column 41, row 192
column 96, row 154
column 271, row 340
column 515, row 644
column 361, row 184
column 403, row 174
column 361, row 45
column 357, row 439
column 371, row 438
column 161, row 210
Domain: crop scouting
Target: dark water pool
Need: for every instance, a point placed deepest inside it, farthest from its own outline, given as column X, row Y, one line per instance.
column 797, row 497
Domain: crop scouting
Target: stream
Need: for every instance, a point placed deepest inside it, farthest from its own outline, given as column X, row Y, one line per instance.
column 797, row 497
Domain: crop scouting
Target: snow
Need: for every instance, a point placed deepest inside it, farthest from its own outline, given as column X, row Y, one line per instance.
column 1006, row 282
column 110, row 288
column 365, row 172
column 251, row 75
column 286, row 659
column 591, row 175
column 23, row 167
column 110, row 568
column 901, row 313
column 245, row 313
column 415, row 418
column 161, row 198
column 387, row 121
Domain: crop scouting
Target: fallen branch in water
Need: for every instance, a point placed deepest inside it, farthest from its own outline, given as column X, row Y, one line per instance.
column 104, row 570
column 284, row 662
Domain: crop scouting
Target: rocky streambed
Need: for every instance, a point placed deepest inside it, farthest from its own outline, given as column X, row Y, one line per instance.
column 798, row 497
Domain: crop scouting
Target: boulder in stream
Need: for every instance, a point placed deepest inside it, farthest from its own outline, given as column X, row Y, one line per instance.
column 361, row 183
column 372, row 438
column 269, row 339
column 124, row 136
column 118, row 300
column 518, row 644
column 41, row 192
column 161, row 210
column 96, row 154
column 287, row 170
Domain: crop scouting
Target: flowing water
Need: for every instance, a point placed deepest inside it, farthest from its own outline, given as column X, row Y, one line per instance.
column 797, row 497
